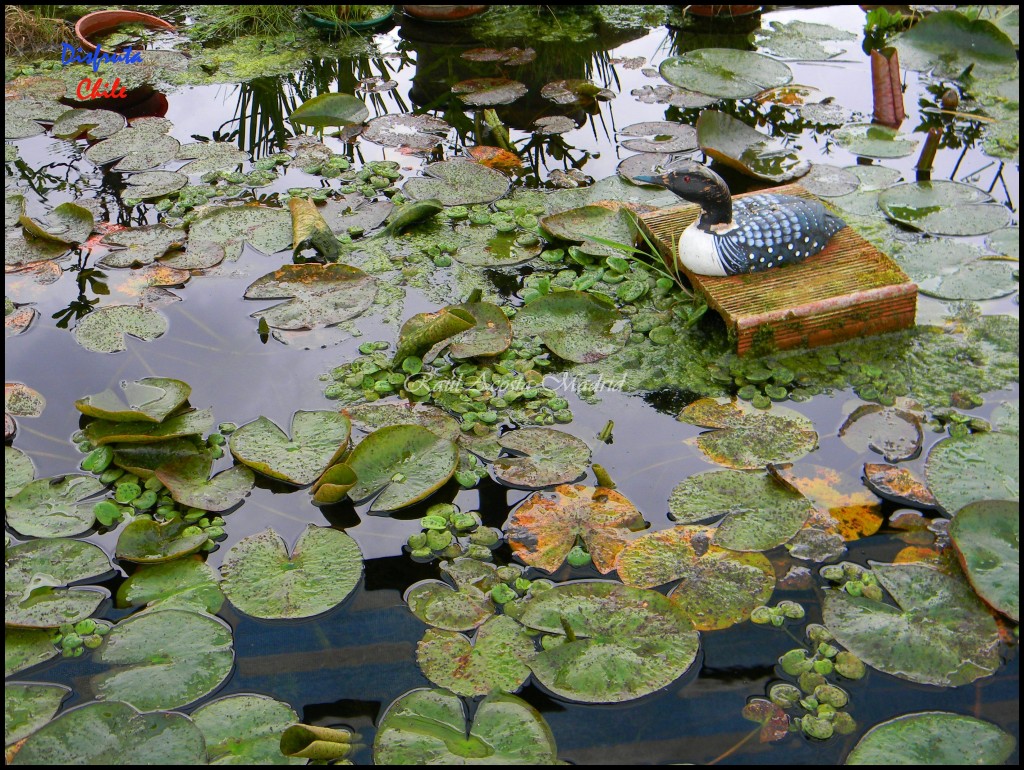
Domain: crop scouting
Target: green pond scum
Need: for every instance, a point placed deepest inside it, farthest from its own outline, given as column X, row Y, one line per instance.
column 351, row 417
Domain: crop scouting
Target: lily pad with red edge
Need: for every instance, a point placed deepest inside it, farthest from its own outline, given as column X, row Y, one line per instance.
column 151, row 399
column 424, row 330
column 19, row 471
column 369, row 417
column 245, row 729
column 321, row 295
column 898, row 485
column 432, row 727
column 895, row 434
column 942, row 207
column 119, row 735
column 142, row 146
column 88, row 124
column 745, row 438
column 544, row 528
column 611, row 634
column 933, row 738
column 490, row 335
column 575, row 91
column 574, row 325
column 542, row 457
column 417, row 132
column 401, row 465
column 489, row 92
column 457, row 183
column 186, row 583
column 39, row 578
column 725, row 73
column 104, row 329
column 938, row 632
column 318, row 439
column 609, row 221
column 659, row 136
column 146, row 541
column 495, row 661
column 737, row 145
column 28, row 706
column 262, row 579
column 330, row 110
column 164, row 659
column 979, row 466
column 26, row 647
column 986, row 535
column 439, row 605
column 773, row 719
column 757, row 512
column 54, row 507
column 68, row 224
column 191, row 423
column 140, row 246
column 188, row 480
column 266, row 229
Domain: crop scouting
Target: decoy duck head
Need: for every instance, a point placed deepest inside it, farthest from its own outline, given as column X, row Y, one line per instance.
column 698, row 184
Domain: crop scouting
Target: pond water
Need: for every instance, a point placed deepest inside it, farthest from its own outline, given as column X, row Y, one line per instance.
column 344, row 667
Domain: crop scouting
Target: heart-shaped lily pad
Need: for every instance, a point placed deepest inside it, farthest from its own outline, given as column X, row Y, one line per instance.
column 188, row 480
column 608, row 221
column 54, row 507
column 576, row 326
column 737, row 145
column 545, row 527
column 417, row 132
column 490, row 335
column 458, row 183
column 141, row 245
column 28, row 706
column 112, row 734
column 943, row 208
column 194, row 422
column 189, row 584
column 659, row 136
column 104, row 329
column 745, row 438
column 210, row 156
column 979, row 466
column 245, row 730
column 318, row 439
column 26, row 647
column 321, row 295
column 986, row 536
column 542, row 457
column 91, row 124
column 725, row 73
column 495, row 661
column 150, row 399
column 164, row 659
column 426, row 727
column 330, row 110
column 489, row 92
column 149, row 542
column 139, row 147
column 933, row 738
column 262, row 580
column 370, row 417
column 19, row 470
column 267, row 229
column 34, row 579
column 438, row 604
column 938, row 633
column 874, row 141
column 893, row 433
column 611, row 633
column 949, row 42
column 67, row 225
column 153, row 184
column 759, row 512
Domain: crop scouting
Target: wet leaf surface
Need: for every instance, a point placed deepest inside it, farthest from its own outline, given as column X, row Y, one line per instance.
column 933, row 738
column 145, row 541
column 23, row 401
column 151, row 399
column 943, row 208
column 946, row 43
column 317, row 440
column 26, row 647
column 457, row 183
column 321, row 295
column 22, row 117
column 266, row 229
column 188, row 480
column 986, row 536
column 66, row 225
column 142, row 146
column 490, row 335
column 89, row 124
column 874, row 141
column 893, row 433
column 898, row 485
column 210, row 156
column 20, row 250
column 843, row 506
column 575, row 92
column 35, row 580
column 330, row 110
column 827, row 181
column 424, row 330
column 949, row 269
column 370, row 417
column 542, row 457
column 803, row 40
column 664, row 137
column 980, row 466
column 737, row 145
column 141, row 245
column 608, row 221
column 104, row 329
column 725, row 73
column 191, row 423
column 574, row 325
column 496, row 158
column 245, row 730
column 188, row 584
column 417, row 132
column 29, row 706
column 773, row 719
column 19, row 470
column 54, row 507
column 153, row 184
column 489, row 92
column 439, row 605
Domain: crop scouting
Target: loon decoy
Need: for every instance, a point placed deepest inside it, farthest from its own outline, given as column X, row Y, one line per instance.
column 751, row 234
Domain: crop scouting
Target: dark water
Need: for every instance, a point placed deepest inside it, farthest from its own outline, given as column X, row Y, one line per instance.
column 345, row 667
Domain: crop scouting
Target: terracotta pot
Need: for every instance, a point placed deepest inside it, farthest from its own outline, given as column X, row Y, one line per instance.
column 104, row 21
column 443, row 12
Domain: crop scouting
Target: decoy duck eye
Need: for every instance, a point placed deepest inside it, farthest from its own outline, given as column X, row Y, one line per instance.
column 686, row 178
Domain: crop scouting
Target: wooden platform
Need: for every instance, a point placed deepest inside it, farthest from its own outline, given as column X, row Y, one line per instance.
column 850, row 289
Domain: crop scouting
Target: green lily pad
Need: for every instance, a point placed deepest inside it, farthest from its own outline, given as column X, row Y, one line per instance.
column 933, row 738
column 574, row 325
column 802, row 40
column 874, row 141
column 946, row 43
column 104, row 329
column 938, row 633
column 141, row 245
column 320, row 295
column 330, row 110
column 417, row 132
column 438, row 604
column 490, row 335
column 370, row 417
column 265, row 229
column 318, row 439
column 943, row 208
column 759, row 513
column 188, row 584
column 725, row 73
column 35, row 580
column 495, row 661
column 458, row 183
column 144, row 459
column 542, row 457
column 210, row 156
column 54, row 507
column 543, row 530
column 91, row 124
column 980, row 466
column 664, row 136
column 489, row 92
column 412, row 213
column 424, row 330
column 310, row 229
column 893, row 433
column 20, row 250
column 28, row 706
column 164, row 659
column 150, row 399
column 406, row 463
column 745, row 438
column 426, row 727
column 333, row 486
column 608, row 221
column 575, row 91
column 26, row 647
column 22, row 401
column 612, row 634
column 1006, row 417
column 188, row 480
column 827, row 181
column 69, row 224
column 153, row 184
column 111, row 734
column 955, row 270
column 194, row 422
column 1005, row 242
column 19, row 470
column 262, row 580
column 150, row 542
column 23, row 116
column 737, row 145
column 140, row 147
column 986, row 536
column 483, row 247
column 245, row 730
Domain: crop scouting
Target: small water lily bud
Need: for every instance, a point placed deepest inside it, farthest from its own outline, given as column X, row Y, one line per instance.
column 577, row 557
column 784, row 695
column 950, row 99
column 849, row 666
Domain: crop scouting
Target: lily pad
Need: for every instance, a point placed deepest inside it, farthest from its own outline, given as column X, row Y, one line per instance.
column 490, row 335
column 210, row 156
column 266, row 229
column 458, row 183
column 949, row 269
column 874, row 141
column 19, row 470
column 575, row 92
column 36, row 578
column 489, row 92
column 544, row 528
column 417, row 132
column 495, row 661
column 191, row 423
column 575, row 325
column 898, row 485
column 947, row 43
column 986, row 536
column 933, row 738
column 354, row 210
column 424, row 330
column 979, row 466
column 554, row 124
column 23, row 401
column 438, row 604
column 17, row 319
column 842, row 506
column 153, row 184
column 321, row 295
column 318, row 439
column 150, row 399
column 611, row 634
column 370, row 417
column 104, row 329
column 893, row 433
column 659, row 136
column 262, row 580
column 333, row 486
column 20, row 251
column 725, row 73
column 426, row 727
column 26, row 647
column 23, row 116
column 1005, row 242
column 672, row 96
column 938, row 633
column 609, row 221
column 542, row 457
column 648, row 164
column 405, row 463
column 68, row 224
column 330, row 110
column 802, row 40
column 90, row 124
column 164, row 659
column 245, row 730
column 140, row 147
column 759, row 512
column 112, row 734
column 54, row 507
column 310, row 230
column 146, row 541
column 144, row 459
column 141, row 245
column 827, row 181
column 28, row 706
column 188, row 480
column 737, row 145
column 943, row 208
column 189, row 584
column 747, row 439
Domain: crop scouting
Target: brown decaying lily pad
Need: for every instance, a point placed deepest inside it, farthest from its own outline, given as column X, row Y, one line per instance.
column 854, row 512
column 898, row 485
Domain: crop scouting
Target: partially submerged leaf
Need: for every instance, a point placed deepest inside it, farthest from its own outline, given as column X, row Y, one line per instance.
column 457, row 183
column 210, row 156
column 321, row 295
column 318, row 439
column 23, row 116
column 69, row 224
column 583, row 225
column 370, row 417
column 933, row 738
column 54, row 507
column 576, row 92
column 737, row 145
column 90, row 124
column 664, row 137
column 943, row 208
column 893, row 433
column 424, row 330
column 576, row 326
column 36, row 577
column 418, row 132
column 330, row 110
column 725, row 73
column 951, row 269
column 310, row 229
column 151, row 399
column 947, row 42
column 104, row 329
column 19, row 470
column 979, row 466
column 191, row 423
column 153, row 184
column 874, row 141
column 266, row 229
column 542, row 457
column 438, row 604
column 898, row 485
column 489, row 336
column 802, row 40
column 986, row 535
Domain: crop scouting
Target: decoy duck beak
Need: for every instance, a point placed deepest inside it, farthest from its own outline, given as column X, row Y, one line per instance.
column 660, row 181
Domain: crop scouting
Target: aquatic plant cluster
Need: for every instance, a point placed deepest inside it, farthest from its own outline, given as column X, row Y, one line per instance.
column 455, row 455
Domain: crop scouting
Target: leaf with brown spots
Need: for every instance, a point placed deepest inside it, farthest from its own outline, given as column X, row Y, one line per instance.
column 898, row 485
column 496, row 158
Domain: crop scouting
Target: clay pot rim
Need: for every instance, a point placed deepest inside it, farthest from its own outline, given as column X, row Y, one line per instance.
column 101, row 21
